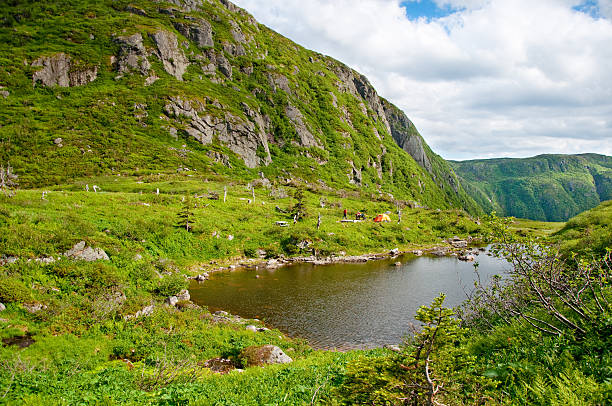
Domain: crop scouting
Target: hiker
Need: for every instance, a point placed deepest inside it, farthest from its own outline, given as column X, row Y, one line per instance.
column 344, row 214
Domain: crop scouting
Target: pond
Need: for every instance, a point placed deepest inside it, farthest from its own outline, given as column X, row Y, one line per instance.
column 344, row 306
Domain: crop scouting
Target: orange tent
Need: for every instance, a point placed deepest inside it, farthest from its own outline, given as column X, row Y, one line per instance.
column 381, row 218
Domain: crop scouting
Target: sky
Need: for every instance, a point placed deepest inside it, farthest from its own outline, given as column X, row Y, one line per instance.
column 479, row 78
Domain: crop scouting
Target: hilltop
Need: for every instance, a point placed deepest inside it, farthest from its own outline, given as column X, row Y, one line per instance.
column 545, row 187
column 139, row 87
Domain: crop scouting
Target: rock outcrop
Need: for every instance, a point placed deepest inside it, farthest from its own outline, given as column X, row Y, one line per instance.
column 405, row 135
column 86, row 253
column 358, row 85
column 186, row 5
column 132, row 55
column 61, row 70
column 199, row 31
column 240, row 136
column 307, row 139
column 264, row 355
column 172, row 57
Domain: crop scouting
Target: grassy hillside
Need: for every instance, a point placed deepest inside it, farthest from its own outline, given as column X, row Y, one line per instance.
column 85, row 349
column 546, row 187
column 589, row 232
column 194, row 86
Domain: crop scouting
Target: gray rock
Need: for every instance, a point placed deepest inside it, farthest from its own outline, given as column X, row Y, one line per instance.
column 132, row 55
column 2, row 307
column 394, row 252
column 418, row 253
column 358, row 85
column 144, row 312
column 184, row 295
column 221, row 313
column 223, row 65
column 34, row 307
column 202, row 277
column 297, row 119
column 237, row 33
column 405, row 136
column 242, row 137
column 398, row 264
column 278, row 81
column 45, row 260
column 230, row 6
column 467, row 258
column 264, row 355
column 172, row 57
column 200, row 32
column 4, row 93
column 220, row 158
column 171, row 301
column 58, row 142
column 394, row 348
column 58, row 70
column 251, row 328
column 135, row 10
column 151, row 79
column 234, row 49
column 187, row 5
column 440, row 252
column 80, row 251
column 355, row 176
column 8, row 260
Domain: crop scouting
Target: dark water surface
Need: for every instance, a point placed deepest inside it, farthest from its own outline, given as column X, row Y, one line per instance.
column 343, row 305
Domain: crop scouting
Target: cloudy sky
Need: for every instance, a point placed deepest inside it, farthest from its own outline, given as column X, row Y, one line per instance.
column 479, row 78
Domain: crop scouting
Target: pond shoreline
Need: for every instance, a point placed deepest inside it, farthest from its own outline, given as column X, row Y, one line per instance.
column 464, row 253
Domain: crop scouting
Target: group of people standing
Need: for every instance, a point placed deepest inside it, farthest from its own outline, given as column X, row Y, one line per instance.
column 360, row 215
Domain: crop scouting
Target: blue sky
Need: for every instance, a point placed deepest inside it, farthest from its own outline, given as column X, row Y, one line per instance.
column 425, row 8
column 590, row 7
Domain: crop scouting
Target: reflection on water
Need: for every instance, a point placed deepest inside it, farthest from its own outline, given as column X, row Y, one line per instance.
column 343, row 305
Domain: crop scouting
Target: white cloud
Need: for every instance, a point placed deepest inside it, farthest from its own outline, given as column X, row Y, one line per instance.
column 497, row 78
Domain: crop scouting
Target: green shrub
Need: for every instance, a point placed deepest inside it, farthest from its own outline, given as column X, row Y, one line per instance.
column 250, row 252
column 13, row 290
column 171, row 285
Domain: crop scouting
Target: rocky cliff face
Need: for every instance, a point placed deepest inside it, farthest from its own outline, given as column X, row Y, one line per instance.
column 205, row 72
column 61, row 70
column 406, row 136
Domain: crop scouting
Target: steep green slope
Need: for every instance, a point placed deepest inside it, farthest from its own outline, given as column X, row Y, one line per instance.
column 589, row 232
column 545, row 187
column 133, row 87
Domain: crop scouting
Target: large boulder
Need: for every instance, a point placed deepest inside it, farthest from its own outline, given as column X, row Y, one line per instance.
column 85, row 253
column 264, row 355
column 60, row 70
column 200, row 32
column 174, row 60
column 132, row 55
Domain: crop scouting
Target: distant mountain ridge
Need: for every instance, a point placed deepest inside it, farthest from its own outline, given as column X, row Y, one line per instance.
column 545, row 187
column 135, row 87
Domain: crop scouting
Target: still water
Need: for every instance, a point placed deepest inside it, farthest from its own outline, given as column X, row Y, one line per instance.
column 344, row 305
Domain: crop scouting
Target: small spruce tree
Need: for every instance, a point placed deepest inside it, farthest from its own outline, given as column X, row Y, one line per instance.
column 186, row 218
column 299, row 211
